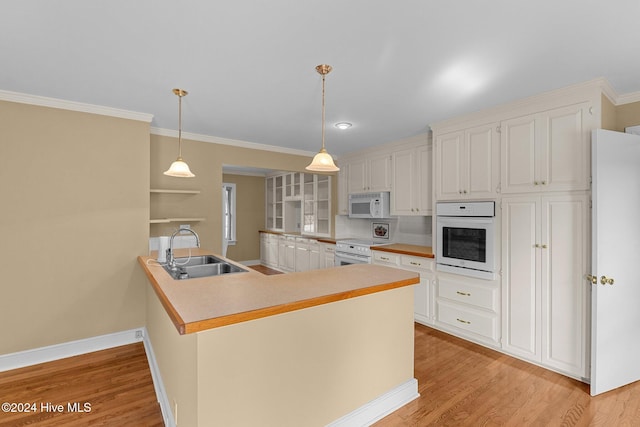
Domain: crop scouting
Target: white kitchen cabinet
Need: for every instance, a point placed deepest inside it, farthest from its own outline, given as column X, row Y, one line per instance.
column 369, row 173
column 544, row 295
column 423, row 298
column 316, row 205
column 547, row 151
column 286, row 253
column 328, row 255
column 307, row 254
column 469, row 307
column 411, row 192
column 269, row 250
column 274, row 201
column 292, row 186
column 467, row 163
column 343, row 190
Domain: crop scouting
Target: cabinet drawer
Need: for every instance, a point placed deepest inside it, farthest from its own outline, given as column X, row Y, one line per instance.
column 467, row 319
column 469, row 293
column 386, row 258
column 416, row 263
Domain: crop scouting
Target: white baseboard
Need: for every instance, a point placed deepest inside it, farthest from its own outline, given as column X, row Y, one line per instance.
column 68, row 349
column 158, row 385
column 380, row 407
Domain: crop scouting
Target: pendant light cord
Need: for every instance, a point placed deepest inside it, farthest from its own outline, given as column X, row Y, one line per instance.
column 323, row 76
column 180, row 125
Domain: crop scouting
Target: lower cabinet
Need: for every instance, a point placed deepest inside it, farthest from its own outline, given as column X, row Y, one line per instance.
column 289, row 253
column 286, row 253
column 307, row 254
column 423, row 298
column 328, row 255
column 470, row 306
column 269, row 250
column 544, row 295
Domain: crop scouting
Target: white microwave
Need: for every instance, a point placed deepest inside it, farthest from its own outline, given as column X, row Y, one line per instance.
column 369, row 205
column 465, row 234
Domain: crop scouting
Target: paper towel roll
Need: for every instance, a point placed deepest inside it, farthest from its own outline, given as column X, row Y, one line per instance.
column 163, row 245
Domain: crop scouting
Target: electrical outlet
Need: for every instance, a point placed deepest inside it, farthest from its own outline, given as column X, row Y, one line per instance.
column 139, row 335
column 186, row 226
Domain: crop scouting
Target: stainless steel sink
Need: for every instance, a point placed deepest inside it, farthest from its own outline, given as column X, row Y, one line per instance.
column 201, row 266
column 197, row 260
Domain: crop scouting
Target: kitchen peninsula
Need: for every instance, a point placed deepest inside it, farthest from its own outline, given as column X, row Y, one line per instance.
column 309, row 348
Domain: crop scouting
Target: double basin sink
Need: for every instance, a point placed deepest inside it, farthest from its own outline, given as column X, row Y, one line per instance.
column 200, row 266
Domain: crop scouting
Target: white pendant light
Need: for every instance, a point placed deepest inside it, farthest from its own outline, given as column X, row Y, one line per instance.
column 179, row 168
column 323, row 162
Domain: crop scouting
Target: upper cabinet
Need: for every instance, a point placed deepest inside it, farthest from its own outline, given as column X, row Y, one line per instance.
column 298, row 202
column 369, row 173
column 547, row 151
column 411, row 192
column 467, row 163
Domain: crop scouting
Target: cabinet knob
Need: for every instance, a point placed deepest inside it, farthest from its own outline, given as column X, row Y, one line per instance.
column 464, row 191
column 592, row 279
column 535, row 182
column 543, row 183
column 466, row 322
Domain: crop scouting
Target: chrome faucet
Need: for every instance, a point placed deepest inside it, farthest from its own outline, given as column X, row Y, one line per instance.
column 170, row 258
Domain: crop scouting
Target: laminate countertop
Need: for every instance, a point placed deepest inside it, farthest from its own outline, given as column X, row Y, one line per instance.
column 404, row 249
column 204, row 303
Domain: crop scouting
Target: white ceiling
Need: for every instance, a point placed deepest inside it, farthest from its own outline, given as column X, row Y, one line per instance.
column 249, row 65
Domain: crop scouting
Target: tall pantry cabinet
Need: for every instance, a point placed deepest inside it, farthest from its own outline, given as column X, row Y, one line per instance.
column 541, row 169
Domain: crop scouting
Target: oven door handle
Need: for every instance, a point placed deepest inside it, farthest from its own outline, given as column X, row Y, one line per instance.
column 352, row 257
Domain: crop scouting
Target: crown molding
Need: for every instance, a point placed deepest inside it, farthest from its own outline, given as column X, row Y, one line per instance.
column 232, row 142
column 43, row 101
column 628, row 98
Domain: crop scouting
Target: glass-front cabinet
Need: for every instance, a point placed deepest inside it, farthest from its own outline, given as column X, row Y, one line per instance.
column 299, row 202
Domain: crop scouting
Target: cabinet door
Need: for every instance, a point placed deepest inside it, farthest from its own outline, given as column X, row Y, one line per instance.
column 448, row 154
column 404, row 183
column 302, row 257
column 425, row 182
column 357, row 176
column 481, row 164
column 379, row 173
column 520, row 277
column 564, row 148
column 343, row 190
column 564, row 292
column 518, row 150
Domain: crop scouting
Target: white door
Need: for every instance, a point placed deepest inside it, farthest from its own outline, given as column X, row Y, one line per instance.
column 615, row 328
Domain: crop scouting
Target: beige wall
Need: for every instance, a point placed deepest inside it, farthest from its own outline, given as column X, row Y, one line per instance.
column 627, row 115
column 250, row 216
column 74, row 218
column 206, row 160
column 608, row 120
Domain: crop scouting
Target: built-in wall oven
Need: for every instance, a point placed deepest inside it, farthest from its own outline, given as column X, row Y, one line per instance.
column 465, row 238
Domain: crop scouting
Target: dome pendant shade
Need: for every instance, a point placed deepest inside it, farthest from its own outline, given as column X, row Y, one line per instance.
column 179, row 168
column 323, row 162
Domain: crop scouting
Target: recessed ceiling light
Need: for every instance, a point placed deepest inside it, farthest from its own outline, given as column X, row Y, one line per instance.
column 343, row 125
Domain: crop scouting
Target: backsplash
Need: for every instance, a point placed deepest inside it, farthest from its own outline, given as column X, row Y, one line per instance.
column 413, row 230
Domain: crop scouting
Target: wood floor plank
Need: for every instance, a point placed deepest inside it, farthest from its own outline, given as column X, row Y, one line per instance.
column 116, row 383
column 464, row 384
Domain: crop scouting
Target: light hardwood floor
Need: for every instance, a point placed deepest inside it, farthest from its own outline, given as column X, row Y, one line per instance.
column 464, row 384
column 460, row 383
column 116, row 383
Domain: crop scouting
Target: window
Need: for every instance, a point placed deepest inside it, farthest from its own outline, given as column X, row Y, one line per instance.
column 229, row 213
